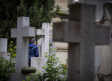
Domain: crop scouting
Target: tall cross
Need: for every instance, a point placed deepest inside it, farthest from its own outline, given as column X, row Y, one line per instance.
column 22, row 33
column 45, row 37
column 82, row 34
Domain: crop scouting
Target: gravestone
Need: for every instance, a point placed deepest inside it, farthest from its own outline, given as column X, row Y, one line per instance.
column 82, row 34
column 103, row 53
column 3, row 49
column 45, row 37
column 23, row 32
column 40, row 61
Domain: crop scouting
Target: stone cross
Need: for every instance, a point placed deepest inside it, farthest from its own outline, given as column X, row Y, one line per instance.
column 45, row 37
column 82, row 34
column 3, row 49
column 22, row 33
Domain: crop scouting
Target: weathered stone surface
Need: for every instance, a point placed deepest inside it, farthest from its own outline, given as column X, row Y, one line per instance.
column 45, row 37
column 3, row 44
column 3, row 49
column 106, row 66
column 99, row 6
column 39, row 50
column 5, row 55
column 81, row 33
column 38, row 62
column 98, row 58
column 22, row 33
column 104, row 17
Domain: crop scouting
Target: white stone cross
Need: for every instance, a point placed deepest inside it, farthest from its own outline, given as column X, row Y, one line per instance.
column 3, row 49
column 22, row 33
column 82, row 35
column 45, row 37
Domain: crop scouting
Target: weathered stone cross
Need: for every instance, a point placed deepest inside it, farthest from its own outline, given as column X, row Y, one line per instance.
column 45, row 37
column 82, row 35
column 22, row 33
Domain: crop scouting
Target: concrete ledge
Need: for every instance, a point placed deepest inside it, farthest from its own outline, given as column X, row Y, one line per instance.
column 17, row 77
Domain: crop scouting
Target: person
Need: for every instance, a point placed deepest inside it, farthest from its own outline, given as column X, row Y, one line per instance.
column 33, row 50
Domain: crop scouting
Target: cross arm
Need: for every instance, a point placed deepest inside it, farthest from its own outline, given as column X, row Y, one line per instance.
column 67, row 31
column 13, row 32
column 28, row 31
column 102, row 34
column 58, row 31
column 40, row 32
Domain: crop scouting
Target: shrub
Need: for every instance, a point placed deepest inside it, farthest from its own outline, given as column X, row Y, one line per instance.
column 12, row 50
column 6, row 67
column 53, row 71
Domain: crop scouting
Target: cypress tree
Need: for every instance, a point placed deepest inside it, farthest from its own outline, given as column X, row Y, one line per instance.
column 39, row 11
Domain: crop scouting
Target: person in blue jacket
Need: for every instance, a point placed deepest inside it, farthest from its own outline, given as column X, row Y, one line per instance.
column 33, row 50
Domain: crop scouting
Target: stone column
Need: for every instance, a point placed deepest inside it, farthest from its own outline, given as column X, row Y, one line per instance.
column 3, row 49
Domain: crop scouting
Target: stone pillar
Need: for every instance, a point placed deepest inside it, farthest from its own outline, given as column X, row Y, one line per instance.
column 103, row 62
column 3, row 49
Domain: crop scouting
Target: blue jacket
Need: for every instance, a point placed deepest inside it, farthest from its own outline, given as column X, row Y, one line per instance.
column 33, row 51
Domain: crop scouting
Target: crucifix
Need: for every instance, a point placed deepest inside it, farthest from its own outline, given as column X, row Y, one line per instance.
column 82, row 35
column 22, row 33
column 45, row 38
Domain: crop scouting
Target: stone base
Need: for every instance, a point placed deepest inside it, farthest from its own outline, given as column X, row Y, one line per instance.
column 17, row 77
column 38, row 62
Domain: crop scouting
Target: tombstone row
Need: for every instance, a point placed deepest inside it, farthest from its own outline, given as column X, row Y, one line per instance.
column 80, row 32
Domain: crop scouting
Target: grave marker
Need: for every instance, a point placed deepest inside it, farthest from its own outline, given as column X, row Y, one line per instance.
column 3, row 49
column 22, row 33
column 45, row 37
column 82, row 34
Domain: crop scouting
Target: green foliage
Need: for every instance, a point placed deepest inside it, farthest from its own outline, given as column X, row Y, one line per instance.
column 52, row 71
column 39, row 11
column 6, row 67
column 21, row 10
column 12, row 50
column 8, row 17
